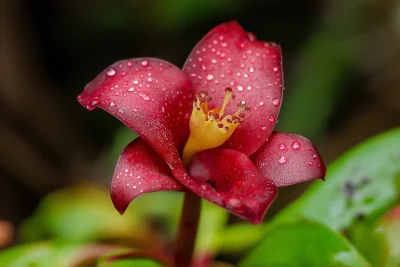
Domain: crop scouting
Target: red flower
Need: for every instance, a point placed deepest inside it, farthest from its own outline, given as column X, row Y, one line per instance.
column 223, row 152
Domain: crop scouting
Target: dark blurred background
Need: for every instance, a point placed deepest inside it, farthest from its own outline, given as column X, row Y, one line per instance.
column 341, row 63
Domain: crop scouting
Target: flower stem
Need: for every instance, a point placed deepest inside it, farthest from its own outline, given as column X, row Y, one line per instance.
column 187, row 230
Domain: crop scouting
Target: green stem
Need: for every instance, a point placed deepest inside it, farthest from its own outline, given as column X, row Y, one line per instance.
column 187, row 230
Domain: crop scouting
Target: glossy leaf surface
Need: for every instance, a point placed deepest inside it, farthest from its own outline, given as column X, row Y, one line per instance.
column 303, row 244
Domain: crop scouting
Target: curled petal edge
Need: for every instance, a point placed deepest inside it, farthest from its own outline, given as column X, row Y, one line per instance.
column 140, row 170
column 288, row 158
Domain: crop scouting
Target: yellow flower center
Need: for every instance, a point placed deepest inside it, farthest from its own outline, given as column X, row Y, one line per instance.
column 210, row 128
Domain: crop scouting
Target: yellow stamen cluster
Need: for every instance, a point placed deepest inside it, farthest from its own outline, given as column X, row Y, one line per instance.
column 210, row 128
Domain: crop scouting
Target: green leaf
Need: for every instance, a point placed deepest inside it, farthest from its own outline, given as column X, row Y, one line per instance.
column 129, row 263
column 303, row 244
column 78, row 214
column 39, row 255
column 363, row 184
column 380, row 243
column 232, row 240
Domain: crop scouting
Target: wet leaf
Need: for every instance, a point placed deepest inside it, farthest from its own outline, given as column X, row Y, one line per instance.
column 305, row 244
column 362, row 185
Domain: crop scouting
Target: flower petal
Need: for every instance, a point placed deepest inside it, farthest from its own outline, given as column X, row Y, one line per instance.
column 151, row 96
column 140, row 170
column 288, row 158
column 233, row 182
column 230, row 57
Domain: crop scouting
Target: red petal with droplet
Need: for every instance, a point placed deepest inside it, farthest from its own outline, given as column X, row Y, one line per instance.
column 140, row 170
column 288, row 158
column 151, row 96
column 239, row 186
column 230, row 57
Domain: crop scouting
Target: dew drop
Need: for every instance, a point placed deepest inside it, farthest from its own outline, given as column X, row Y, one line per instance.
column 282, row 147
column 295, row 145
column 249, row 88
column 310, row 163
column 251, row 69
column 144, row 63
column 240, row 88
column 121, row 111
column 271, row 118
column 264, row 128
column 94, row 103
column 135, row 81
column 261, row 103
column 276, row 102
column 203, row 67
column 251, row 37
column 144, row 96
column 112, row 104
column 276, row 69
column 131, row 89
column 129, row 63
column 111, row 72
column 210, row 77
column 282, row 160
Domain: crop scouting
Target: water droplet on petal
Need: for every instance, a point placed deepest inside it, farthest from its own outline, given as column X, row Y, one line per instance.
column 282, row 147
column 310, row 163
column 271, row 118
column 111, row 72
column 131, row 89
column 210, row 77
column 276, row 69
column 251, row 37
column 240, row 88
column 295, row 145
column 145, row 63
column 144, row 96
column 282, row 160
column 276, row 102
